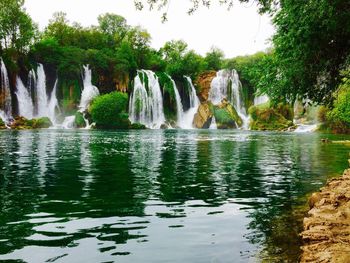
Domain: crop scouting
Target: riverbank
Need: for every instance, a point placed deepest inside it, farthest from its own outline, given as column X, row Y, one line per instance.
column 326, row 234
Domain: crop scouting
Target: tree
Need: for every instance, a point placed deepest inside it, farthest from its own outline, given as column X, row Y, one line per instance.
column 264, row 5
column 17, row 29
column 113, row 25
column 59, row 28
column 214, row 58
column 311, row 48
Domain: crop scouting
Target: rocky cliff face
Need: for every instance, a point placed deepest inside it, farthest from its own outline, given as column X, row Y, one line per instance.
column 203, row 83
column 203, row 117
column 326, row 232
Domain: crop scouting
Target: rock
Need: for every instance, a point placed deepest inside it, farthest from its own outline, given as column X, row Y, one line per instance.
column 41, row 123
column 21, row 123
column 137, row 126
column 202, row 119
column 226, row 116
column 203, row 83
column 326, row 235
column 265, row 117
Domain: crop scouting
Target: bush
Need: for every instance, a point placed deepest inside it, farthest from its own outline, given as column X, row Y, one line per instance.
column 337, row 119
column 79, row 120
column 109, row 111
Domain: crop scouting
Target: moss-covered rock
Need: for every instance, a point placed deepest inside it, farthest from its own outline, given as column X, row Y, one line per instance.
column 226, row 116
column 79, row 121
column 21, row 123
column 267, row 118
column 2, row 125
column 202, row 119
column 137, row 126
column 41, row 123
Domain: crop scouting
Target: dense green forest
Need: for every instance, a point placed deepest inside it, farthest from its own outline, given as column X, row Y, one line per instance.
column 308, row 59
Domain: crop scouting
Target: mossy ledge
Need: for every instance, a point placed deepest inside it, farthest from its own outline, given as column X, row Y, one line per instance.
column 21, row 123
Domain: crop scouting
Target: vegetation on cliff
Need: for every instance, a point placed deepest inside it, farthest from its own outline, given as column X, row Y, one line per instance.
column 266, row 117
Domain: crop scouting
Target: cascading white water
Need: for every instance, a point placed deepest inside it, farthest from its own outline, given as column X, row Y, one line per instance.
column 227, row 85
column 68, row 122
column 219, row 85
column 213, row 125
column 53, row 106
column 179, row 106
column 5, row 91
column 87, row 95
column 25, row 103
column 236, row 99
column 258, row 100
column 146, row 101
column 305, row 116
column 43, row 105
column 187, row 120
column 42, row 99
column 89, row 91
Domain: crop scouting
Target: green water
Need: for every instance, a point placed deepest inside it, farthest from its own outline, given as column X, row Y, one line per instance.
column 157, row 196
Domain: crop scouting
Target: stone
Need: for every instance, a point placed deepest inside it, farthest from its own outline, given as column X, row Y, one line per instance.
column 202, row 119
column 203, row 83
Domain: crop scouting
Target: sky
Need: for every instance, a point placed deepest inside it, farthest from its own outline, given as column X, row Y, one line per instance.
column 239, row 31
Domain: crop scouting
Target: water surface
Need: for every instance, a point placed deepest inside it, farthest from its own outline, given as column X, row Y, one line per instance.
column 157, row 196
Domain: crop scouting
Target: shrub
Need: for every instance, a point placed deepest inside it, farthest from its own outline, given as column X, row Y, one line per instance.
column 79, row 120
column 109, row 111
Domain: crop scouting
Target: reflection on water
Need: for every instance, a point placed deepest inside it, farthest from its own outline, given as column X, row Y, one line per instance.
column 155, row 196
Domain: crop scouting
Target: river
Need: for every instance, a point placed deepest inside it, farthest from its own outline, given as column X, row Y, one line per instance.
column 158, row 195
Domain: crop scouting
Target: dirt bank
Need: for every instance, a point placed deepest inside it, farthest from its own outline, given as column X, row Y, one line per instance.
column 326, row 234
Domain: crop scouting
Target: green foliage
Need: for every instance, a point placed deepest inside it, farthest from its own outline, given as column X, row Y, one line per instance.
column 337, row 119
column 79, row 120
column 180, row 62
column 2, row 124
column 109, row 111
column 311, row 48
column 17, row 29
column 214, row 59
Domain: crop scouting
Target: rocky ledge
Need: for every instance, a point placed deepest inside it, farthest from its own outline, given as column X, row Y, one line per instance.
column 326, row 234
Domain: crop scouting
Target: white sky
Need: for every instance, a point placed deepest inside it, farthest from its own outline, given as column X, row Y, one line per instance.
column 239, row 31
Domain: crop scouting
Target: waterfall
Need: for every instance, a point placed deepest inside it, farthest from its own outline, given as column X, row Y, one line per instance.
column 258, row 100
column 146, row 101
column 187, row 121
column 42, row 100
column 226, row 85
column 179, row 106
column 237, row 100
column 25, row 103
column 68, row 122
column 89, row 91
column 305, row 116
column 6, row 101
column 213, row 125
column 53, row 106
column 218, row 86
column 33, row 101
